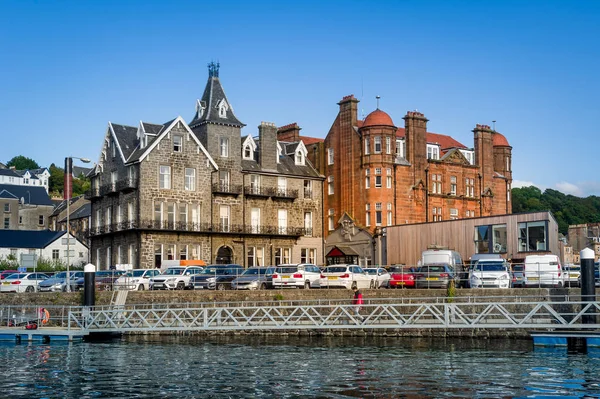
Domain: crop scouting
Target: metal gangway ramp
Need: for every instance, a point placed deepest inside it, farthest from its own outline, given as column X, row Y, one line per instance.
column 525, row 313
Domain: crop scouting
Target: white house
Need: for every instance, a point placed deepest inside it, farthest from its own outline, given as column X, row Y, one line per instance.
column 51, row 245
column 32, row 178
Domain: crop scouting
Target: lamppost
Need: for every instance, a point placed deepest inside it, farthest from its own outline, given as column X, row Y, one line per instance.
column 68, row 187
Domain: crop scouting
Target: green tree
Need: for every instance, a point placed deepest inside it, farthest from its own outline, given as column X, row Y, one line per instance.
column 57, row 179
column 567, row 209
column 21, row 162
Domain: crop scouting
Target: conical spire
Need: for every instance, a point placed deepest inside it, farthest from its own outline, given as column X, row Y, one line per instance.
column 214, row 106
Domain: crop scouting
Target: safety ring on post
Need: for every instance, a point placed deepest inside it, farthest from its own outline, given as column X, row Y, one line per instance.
column 44, row 315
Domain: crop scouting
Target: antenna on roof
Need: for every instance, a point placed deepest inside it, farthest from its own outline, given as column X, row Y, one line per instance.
column 377, row 97
column 494, row 126
column 362, row 94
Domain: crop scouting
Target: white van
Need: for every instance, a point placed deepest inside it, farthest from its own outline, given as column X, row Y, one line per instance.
column 446, row 256
column 543, row 270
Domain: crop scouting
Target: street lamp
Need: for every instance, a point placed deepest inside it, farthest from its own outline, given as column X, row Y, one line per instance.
column 69, row 193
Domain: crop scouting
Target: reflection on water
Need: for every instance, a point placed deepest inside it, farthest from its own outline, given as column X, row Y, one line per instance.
column 308, row 367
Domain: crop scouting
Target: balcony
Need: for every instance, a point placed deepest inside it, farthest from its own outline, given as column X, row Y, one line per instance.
column 218, row 228
column 109, row 189
column 282, row 193
column 92, row 193
column 257, row 192
column 226, row 189
column 127, row 184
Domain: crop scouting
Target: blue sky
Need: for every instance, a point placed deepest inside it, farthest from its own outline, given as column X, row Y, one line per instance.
column 532, row 66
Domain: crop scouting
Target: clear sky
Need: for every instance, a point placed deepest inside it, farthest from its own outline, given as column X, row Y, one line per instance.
column 69, row 67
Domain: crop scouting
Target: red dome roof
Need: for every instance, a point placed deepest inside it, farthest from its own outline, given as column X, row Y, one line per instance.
column 378, row 118
column 499, row 140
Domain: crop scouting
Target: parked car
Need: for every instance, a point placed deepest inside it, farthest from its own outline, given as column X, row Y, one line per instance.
column 136, row 279
column 217, row 277
column 22, row 282
column 346, row 276
column 571, row 275
column 543, row 271
column 255, row 278
column 58, row 282
column 464, row 273
column 435, row 276
column 490, row 273
column 402, row 277
column 174, row 278
column 6, row 273
column 302, row 275
column 518, row 275
column 382, row 276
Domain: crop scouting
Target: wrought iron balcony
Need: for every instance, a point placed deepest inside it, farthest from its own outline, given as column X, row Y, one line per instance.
column 227, row 189
column 257, row 192
column 284, row 193
column 221, row 228
column 109, row 189
column 93, row 192
column 127, row 184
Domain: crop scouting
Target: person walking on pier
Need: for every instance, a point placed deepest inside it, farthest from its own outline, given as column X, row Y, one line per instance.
column 357, row 301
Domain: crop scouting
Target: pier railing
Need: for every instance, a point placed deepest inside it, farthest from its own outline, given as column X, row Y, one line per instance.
column 331, row 315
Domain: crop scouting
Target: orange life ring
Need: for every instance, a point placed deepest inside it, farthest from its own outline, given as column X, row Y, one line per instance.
column 44, row 315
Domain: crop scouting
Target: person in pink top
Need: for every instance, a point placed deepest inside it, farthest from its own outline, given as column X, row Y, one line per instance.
column 357, row 301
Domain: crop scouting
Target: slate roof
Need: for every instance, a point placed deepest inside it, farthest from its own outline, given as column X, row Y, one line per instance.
column 62, row 204
column 151, row 128
column 34, row 195
column 127, row 138
column 9, row 172
column 84, row 211
column 286, row 166
column 80, row 170
column 138, row 151
column 33, row 239
column 213, row 94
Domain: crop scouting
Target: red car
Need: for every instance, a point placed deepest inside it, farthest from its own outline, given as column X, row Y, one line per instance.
column 402, row 277
column 6, row 273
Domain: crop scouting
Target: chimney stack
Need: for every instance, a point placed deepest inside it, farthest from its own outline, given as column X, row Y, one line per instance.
column 267, row 137
column 290, row 133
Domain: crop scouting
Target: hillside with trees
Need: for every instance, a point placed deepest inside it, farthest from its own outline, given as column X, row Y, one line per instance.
column 567, row 209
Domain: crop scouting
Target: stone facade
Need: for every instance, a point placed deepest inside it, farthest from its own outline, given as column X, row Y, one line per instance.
column 189, row 191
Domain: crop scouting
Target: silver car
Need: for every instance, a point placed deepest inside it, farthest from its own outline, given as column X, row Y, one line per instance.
column 255, row 278
column 58, row 282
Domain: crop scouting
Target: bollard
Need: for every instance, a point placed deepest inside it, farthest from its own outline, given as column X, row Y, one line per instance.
column 588, row 291
column 89, row 285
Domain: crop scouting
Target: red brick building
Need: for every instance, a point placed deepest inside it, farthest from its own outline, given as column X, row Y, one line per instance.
column 382, row 175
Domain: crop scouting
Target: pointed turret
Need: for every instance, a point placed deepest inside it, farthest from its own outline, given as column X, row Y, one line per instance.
column 214, row 106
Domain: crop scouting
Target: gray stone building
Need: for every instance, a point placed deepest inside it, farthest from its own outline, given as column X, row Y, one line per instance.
column 24, row 207
column 202, row 191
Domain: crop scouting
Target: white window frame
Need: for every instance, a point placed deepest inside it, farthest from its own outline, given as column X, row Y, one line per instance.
column 377, row 145
column 190, row 179
column 177, row 143
column 330, row 187
column 388, row 145
column 282, row 221
column 308, row 224
column 164, row 180
column 224, row 147
column 225, row 218
column 330, row 156
column 367, row 146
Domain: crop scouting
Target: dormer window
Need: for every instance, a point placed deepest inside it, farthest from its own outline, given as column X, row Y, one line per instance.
column 247, row 152
column 299, row 158
column 433, row 151
column 223, row 108
column 177, row 143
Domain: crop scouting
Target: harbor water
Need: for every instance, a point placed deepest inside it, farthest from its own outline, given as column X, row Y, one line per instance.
column 296, row 367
